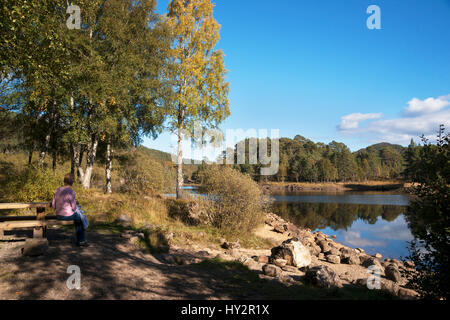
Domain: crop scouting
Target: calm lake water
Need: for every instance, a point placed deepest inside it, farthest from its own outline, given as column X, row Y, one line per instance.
column 370, row 220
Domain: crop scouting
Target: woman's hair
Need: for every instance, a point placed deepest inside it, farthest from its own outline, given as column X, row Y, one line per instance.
column 69, row 179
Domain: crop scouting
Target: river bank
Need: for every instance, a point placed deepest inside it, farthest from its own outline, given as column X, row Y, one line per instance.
column 300, row 265
column 299, row 256
column 330, row 263
column 397, row 186
column 146, row 251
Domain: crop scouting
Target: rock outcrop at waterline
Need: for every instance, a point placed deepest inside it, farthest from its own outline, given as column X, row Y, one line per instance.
column 302, row 256
column 327, row 263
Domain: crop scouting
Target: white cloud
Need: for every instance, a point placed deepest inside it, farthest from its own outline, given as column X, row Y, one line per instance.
column 393, row 230
column 355, row 239
column 420, row 117
column 417, row 106
column 351, row 121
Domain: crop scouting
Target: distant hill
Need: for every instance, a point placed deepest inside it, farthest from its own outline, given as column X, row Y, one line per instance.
column 166, row 159
column 159, row 155
column 382, row 145
column 155, row 154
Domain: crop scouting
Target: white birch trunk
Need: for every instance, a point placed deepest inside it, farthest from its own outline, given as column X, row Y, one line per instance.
column 90, row 160
column 180, row 179
column 109, row 157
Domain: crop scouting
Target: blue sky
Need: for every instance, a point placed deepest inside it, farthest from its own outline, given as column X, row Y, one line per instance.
column 314, row 68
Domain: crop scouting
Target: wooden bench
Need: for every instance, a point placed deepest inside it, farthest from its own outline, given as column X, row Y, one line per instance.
column 39, row 222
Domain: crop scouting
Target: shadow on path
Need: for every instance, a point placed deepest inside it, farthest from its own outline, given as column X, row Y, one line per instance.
column 112, row 268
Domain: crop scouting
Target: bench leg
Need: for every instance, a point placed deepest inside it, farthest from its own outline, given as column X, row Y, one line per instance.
column 38, row 232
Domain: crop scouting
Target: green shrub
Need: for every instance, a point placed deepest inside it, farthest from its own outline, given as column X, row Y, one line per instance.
column 193, row 211
column 142, row 175
column 239, row 203
column 32, row 184
column 428, row 218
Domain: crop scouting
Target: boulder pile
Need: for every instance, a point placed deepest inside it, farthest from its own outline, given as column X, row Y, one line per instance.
column 319, row 259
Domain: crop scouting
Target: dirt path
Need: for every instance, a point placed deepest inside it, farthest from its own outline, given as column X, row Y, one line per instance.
column 115, row 268
column 111, row 268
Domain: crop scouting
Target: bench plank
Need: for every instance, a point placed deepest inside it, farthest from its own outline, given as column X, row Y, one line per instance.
column 4, row 206
column 10, row 225
column 21, row 218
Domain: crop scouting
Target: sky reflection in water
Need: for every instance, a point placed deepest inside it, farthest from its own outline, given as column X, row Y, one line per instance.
column 371, row 221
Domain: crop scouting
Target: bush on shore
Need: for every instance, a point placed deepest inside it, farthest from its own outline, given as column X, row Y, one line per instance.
column 143, row 175
column 31, row 184
column 238, row 203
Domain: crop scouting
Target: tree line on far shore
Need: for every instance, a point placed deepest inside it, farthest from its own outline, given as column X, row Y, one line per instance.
column 302, row 160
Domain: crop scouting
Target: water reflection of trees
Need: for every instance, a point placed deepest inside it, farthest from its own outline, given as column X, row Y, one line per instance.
column 334, row 215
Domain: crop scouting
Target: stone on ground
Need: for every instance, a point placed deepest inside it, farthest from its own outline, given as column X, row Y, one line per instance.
column 323, row 277
column 35, row 247
column 294, row 252
column 271, row 270
column 370, row 261
column 333, row 251
column 280, row 262
column 231, row 245
column 123, row 220
column 333, row 259
column 392, row 273
column 352, row 259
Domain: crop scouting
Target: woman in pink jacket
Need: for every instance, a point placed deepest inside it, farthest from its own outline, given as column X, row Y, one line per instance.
column 65, row 205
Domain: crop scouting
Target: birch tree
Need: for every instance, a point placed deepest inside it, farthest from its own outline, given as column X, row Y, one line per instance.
column 196, row 72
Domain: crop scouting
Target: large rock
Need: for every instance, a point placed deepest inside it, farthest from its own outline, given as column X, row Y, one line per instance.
column 319, row 235
column 253, row 265
column 291, row 269
column 294, row 252
column 292, row 228
column 371, row 261
column 280, row 263
column 306, row 240
column 392, row 273
column 231, row 245
column 123, row 220
column 390, row 286
column 280, row 228
column 271, row 270
column 323, row 277
column 352, row 259
column 385, row 263
column 346, row 252
column 361, row 282
column 323, row 244
column 314, row 249
column 407, row 294
column 333, row 251
column 378, row 256
column 35, row 247
column 333, row 259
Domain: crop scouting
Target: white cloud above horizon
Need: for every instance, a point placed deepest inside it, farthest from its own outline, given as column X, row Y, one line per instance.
column 420, row 117
column 351, row 121
column 429, row 105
